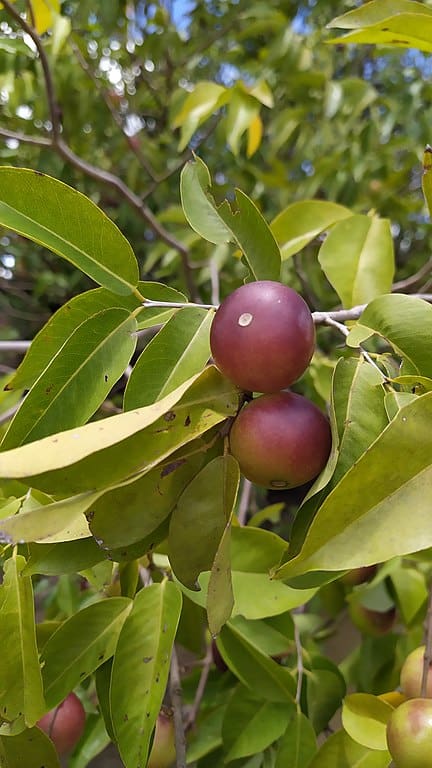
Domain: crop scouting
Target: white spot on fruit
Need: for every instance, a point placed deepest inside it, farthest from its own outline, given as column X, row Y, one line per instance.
column 245, row 319
column 279, row 484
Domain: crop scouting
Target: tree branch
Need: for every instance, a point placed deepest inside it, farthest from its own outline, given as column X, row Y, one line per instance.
column 175, row 691
column 62, row 148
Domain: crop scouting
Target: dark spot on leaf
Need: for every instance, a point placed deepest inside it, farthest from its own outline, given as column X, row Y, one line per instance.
column 385, row 29
column 89, row 515
column 157, row 677
column 106, row 377
column 165, row 627
column 172, row 467
column 39, row 173
column 126, row 718
column 187, row 421
column 55, row 440
column 146, row 659
column 83, row 674
column 400, row 42
column 147, row 714
column 48, row 389
column 169, row 416
column 7, row 388
column 100, row 657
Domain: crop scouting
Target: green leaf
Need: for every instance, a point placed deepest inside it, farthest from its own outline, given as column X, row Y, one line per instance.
column 402, row 30
column 64, row 322
column 242, row 110
column 69, row 224
column 241, row 223
column 220, row 595
column 301, row 222
column 140, row 669
column 253, row 668
column 365, row 719
column 208, row 735
column 427, row 178
column 63, row 557
column 180, row 350
column 134, row 510
column 393, row 476
column 376, row 12
column 251, row 724
column 103, row 453
column 205, row 99
column 298, row 744
column 410, row 591
column 325, row 689
column 29, row 748
column 94, row 740
column 357, row 258
column 199, row 520
column 406, row 322
column 21, row 693
column 341, row 751
column 80, row 645
column 59, row 521
column 77, row 380
column 273, row 636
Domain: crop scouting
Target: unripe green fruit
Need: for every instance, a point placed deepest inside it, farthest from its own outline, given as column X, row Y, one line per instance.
column 409, row 734
column 280, row 440
column 411, row 675
column 64, row 724
column 163, row 751
column 263, row 336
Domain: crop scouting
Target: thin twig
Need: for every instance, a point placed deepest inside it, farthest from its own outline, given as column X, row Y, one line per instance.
column 38, row 141
column 14, row 346
column 402, row 285
column 175, row 691
column 427, row 658
column 207, row 664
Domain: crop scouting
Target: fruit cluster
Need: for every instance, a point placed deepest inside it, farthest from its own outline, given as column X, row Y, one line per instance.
column 263, row 338
column 409, row 729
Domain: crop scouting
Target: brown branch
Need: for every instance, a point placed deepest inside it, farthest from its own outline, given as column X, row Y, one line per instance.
column 63, row 149
column 38, row 141
column 424, row 271
column 175, row 691
column 208, row 661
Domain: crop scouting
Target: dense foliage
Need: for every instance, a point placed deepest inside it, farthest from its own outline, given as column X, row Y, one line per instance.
column 167, row 155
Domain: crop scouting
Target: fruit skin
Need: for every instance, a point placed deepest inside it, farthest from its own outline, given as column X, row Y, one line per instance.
column 374, row 623
column 263, row 336
column 359, row 575
column 64, row 724
column 409, row 734
column 163, row 751
column 280, row 440
column 411, row 675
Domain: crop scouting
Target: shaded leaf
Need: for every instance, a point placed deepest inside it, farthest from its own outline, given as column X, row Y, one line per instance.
column 251, row 724
column 298, row 744
column 69, row 224
column 29, row 748
column 341, row 751
column 365, row 719
column 301, row 222
column 140, row 669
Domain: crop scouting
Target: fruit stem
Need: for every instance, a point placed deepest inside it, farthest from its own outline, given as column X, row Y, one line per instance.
column 427, row 658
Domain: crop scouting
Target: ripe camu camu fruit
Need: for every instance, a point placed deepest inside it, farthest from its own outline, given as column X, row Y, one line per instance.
column 280, row 440
column 64, row 724
column 263, row 336
column 409, row 734
column 412, row 673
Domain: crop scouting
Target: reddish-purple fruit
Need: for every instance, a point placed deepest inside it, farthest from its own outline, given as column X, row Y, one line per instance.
column 409, row 734
column 263, row 337
column 412, row 673
column 280, row 440
column 374, row 623
column 163, row 751
column 64, row 724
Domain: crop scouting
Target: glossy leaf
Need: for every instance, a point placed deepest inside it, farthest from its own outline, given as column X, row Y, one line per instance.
column 91, row 361
column 392, row 476
column 69, row 224
column 251, row 724
column 134, row 510
column 140, row 669
column 325, row 689
column 253, row 668
column 427, row 178
column 80, row 645
column 28, row 748
column 241, row 223
column 339, row 749
column 198, row 520
column 298, row 744
column 21, row 693
column 365, row 719
column 301, row 222
column 180, row 350
column 205, row 99
column 243, row 109
column 405, row 30
column 376, row 12
column 410, row 592
column 220, row 595
column 64, row 322
column 357, row 258
column 109, row 451
column 63, row 557
column 59, row 521
column 406, row 322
